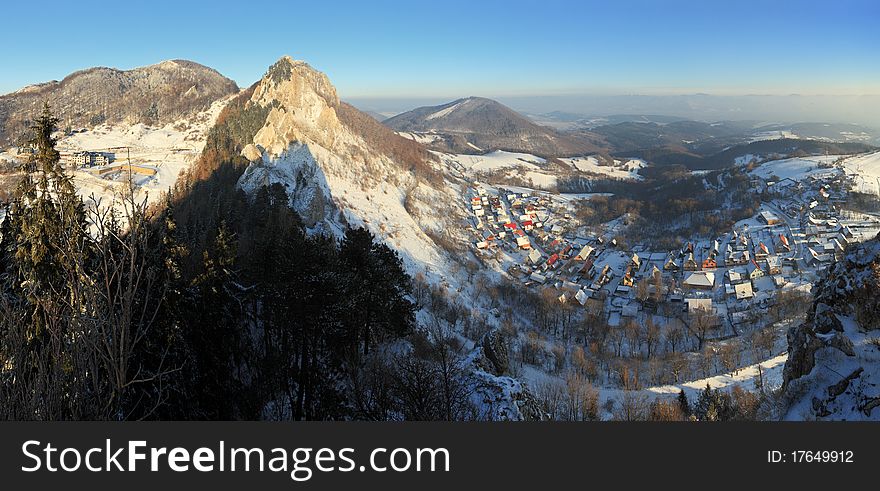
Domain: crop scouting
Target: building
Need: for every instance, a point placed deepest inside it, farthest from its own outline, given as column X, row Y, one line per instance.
column 773, row 265
column 671, row 265
column 768, row 217
column 701, row 280
column 734, row 276
column 699, row 304
column 84, row 160
column 754, row 270
column 535, row 256
column 585, row 253
column 743, row 291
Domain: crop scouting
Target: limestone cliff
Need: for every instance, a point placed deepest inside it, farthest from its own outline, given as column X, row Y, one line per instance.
column 833, row 368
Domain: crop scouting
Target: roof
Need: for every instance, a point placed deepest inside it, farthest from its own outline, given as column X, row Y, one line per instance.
column 702, row 279
column 743, row 291
column 585, row 252
column 699, row 304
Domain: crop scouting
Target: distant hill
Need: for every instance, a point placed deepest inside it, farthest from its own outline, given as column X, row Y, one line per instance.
column 377, row 116
column 785, row 147
column 153, row 95
column 477, row 124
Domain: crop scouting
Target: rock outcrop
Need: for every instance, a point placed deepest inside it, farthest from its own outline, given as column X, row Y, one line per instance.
column 340, row 167
column 832, row 370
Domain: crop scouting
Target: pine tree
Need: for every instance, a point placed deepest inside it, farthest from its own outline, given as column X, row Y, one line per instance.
column 214, row 331
column 46, row 226
column 684, row 404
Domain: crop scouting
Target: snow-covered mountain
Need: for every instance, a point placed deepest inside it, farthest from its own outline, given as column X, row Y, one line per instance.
column 340, row 166
column 153, row 95
column 833, row 367
column 477, row 124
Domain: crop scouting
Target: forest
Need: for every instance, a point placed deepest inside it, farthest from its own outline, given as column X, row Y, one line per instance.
column 214, row 305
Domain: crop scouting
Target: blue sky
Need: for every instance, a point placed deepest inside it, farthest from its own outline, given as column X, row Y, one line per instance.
column 454, row 48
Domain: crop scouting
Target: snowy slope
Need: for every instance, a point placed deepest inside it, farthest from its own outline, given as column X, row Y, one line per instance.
column 866, row 169
column 621, row 169
column 169, row 150
column 796, row 168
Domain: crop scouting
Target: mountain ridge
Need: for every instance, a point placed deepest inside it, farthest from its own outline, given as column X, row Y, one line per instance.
column 154, row 95
column 479, row 124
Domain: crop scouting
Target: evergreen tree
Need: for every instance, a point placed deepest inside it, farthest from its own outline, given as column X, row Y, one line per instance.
column 213, row 332
column 713, row 405
column 377, row 292
column 684, row 404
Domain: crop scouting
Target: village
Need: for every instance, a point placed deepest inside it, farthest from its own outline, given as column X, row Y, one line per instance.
column 730, row 282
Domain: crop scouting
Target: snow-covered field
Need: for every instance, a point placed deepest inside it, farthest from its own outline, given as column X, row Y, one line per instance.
column 423, row 138
column 772, row 135
column 622, row 169
column 796, row 168
column 168, row 150
column 771, row 370
column 500, row 159
column 866, row 172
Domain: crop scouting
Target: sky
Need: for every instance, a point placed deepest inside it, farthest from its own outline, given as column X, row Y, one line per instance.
column 451, row 48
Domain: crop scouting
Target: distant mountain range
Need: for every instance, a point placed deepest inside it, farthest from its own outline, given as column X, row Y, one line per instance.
column 153, row 95
column 477, row 124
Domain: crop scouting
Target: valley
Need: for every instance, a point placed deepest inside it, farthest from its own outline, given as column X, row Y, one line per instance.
column 601, row 269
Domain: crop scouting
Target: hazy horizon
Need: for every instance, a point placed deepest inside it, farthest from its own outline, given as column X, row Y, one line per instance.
column 862, row 110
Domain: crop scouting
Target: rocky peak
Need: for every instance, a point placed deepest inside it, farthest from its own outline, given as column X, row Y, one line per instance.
column 830, row 372
column 303, row 106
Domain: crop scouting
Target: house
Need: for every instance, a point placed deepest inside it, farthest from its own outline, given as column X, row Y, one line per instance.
column 779, row 281
column 89, row 159
column 702, row 280
column 762, row 251
column 734, row 276
column 817, row 258
column 523, row 242
column 773, row 265
column 754, row 270
column 671, row 265
column 581, row 297
column 783, row 241
column 630, row 310
column 689, row 263
column 538, row 278
column 739, row 258
column 710, row 263
column 655, row 271
column 698, row 304
column 588, row 270
column 743, row 291
column 535, row 256
column 768, row 217
column 585, row 253
column 636, row 262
